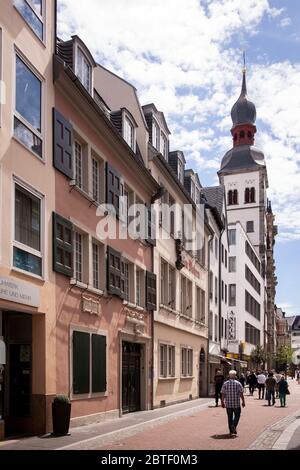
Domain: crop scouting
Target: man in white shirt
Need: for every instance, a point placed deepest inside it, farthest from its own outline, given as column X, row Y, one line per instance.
column 261, row 380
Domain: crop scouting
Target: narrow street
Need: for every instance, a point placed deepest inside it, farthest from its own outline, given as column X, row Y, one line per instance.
column 194, row 425
column 207, row 429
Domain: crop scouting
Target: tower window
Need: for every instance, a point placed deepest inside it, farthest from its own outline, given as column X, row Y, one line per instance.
column 242, row 134
column 249, row 195
column 249, row 135
column 232, row 197
column 235, row 137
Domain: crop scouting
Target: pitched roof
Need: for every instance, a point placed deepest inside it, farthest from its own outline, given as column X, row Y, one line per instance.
column 215, row 197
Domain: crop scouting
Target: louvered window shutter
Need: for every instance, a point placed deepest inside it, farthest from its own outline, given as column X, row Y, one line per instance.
column 62, row 144
column 81, row 362
column 98, row 363
column 113, row 271
column 114, row 190
column 151, row 225
column 62, row 245
column 150, row 291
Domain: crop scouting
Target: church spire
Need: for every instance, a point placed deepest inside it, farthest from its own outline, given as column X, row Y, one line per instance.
column 243, row 115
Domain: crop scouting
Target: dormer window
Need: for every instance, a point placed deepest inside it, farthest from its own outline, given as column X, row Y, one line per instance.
column 129, row 132
column 180, row 171
column 155, row 135
column 193, row 190
column 84, row 70
column 164, row 145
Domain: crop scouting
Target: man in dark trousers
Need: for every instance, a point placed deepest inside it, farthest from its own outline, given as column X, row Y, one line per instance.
column 219, row 380
column 232, row 395
column 252, row 381
column 270, row 388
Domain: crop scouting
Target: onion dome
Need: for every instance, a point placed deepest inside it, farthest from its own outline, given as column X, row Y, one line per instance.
column 243, row 111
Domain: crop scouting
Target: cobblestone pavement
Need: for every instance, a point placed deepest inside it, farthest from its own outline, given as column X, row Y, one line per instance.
column 260, row 427
column 190, row 425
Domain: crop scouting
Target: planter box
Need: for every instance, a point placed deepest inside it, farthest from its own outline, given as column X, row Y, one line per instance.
column 61, row 413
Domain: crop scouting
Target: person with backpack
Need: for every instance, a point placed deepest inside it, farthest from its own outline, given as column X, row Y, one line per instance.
column 283, row 389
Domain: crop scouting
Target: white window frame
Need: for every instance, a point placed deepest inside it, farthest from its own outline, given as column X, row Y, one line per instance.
column 78, row 233
column 164, row 145
column 91, row 331
column 186, row 287
column 180, row 171
column 78, row 178
column 167, row 288
column 41, row 17
column 28, row 125
column 40, row 254
column 131, row 126
column 232, row 264
column 139, row 287
column 155, row 135
column 167, row 360
column 79, row 50
column 186, row 361
column 96, row 264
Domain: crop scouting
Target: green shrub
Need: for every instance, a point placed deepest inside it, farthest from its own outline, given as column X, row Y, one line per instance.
column 61, row 399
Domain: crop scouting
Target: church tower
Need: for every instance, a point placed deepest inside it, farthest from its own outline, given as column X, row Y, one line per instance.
column 243, row 173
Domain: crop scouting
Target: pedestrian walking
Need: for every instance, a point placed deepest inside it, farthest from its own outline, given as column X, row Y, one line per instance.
column 231, row 397
column 278, row 377
column 298, row 377
column 252, row 381
column 218, row 380
column 283, row 391
column 261, row 381
column 242, row 380
column 270, row 389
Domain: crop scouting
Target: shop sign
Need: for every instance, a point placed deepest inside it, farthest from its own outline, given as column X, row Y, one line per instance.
column 19, row 292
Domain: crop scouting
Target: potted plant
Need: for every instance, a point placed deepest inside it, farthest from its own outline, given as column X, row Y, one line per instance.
column 61, row 413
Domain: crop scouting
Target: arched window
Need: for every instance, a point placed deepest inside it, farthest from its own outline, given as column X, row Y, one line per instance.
column 235, row 136
column 232, row 197
column 249, row 135
column 235, row 197
column 242, row 134
column 249, row 195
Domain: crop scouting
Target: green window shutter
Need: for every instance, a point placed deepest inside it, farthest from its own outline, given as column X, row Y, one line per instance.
column 114, row 274
column 81, row 362
column 98, row 363
column 151, row 291
column 62, row 245
column 62, row 144
column 114, row 189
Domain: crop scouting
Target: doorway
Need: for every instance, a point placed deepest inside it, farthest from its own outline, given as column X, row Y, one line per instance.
column 131, row 377
column 18, row 373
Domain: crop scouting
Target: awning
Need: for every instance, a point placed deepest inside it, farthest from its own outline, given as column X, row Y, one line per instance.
column 218, row 358
column 242, row 363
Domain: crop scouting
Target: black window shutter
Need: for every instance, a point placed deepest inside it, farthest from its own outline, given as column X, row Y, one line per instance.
column 81, row 362
column 113, row 271
column 150, row 291
column 151, row 225
column 98, row 363
column 62, row 144
column 114, row 188
column 62, row 245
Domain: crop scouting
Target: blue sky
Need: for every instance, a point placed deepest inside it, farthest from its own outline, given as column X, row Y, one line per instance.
column 186, row 57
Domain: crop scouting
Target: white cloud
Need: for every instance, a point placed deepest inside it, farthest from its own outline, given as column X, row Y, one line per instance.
column 285, row 22
column 180, row 56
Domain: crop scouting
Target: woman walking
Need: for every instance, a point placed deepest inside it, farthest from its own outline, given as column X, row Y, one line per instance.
column 283, row 390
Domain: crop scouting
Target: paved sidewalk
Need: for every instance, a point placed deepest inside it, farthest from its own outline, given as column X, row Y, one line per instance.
column 102, row 432
column 207, row 430
column 190, row 425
